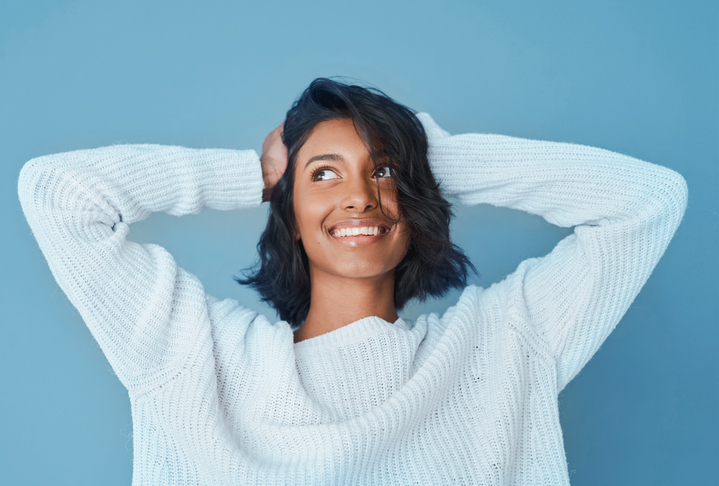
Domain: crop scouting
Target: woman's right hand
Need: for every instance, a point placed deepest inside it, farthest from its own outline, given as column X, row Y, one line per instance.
column 273, row 160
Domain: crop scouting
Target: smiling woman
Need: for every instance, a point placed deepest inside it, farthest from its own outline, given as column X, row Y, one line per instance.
column 342, row 391
column 352, row 158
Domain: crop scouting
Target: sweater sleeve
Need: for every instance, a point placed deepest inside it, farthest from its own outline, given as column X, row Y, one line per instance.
column 624, row 212
column 141, row 307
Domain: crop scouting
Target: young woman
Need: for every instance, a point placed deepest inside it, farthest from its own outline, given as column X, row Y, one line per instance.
column 342, row 390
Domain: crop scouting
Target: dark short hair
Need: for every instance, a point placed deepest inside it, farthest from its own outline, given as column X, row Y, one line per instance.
column 393, row 135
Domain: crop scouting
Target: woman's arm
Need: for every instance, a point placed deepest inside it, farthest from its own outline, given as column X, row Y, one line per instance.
column 144, row 310
column 625, row 212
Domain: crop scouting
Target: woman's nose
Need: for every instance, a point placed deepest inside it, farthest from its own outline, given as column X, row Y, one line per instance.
column 360, row 195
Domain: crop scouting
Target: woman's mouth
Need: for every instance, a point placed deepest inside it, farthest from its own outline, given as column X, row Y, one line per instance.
column 359, row 231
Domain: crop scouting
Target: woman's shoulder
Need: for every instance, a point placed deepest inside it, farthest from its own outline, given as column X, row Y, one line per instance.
column 474, row 297
column 500, row 303
column 232, row 322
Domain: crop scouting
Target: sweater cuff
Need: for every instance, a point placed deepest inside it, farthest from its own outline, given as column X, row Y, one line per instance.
column 238, row 181
column 433, row 131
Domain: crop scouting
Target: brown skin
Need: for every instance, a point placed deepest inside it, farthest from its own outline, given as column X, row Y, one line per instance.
column 351, row 277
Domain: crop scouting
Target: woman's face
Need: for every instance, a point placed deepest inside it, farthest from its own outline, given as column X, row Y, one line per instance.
column 337, row 210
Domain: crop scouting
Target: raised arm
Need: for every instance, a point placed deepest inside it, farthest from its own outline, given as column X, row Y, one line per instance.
column 144, row 310
column 625, row 212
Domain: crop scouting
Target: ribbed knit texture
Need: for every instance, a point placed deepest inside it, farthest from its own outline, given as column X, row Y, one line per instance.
column 222, row 396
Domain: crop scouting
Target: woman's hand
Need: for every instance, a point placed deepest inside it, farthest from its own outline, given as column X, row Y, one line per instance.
column 273, row 160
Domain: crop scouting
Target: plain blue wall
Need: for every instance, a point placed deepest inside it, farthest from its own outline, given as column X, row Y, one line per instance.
column 636, row 77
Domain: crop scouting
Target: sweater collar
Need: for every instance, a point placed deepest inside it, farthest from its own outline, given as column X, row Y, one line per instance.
column 350, row 333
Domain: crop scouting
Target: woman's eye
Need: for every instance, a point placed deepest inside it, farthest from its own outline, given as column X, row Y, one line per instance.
column 383, row 172
column 323, row 175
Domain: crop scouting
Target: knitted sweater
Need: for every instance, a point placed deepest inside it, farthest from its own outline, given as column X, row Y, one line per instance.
column 222, row 396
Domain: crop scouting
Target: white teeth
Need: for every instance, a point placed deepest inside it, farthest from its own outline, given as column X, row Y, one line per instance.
column 356, row 231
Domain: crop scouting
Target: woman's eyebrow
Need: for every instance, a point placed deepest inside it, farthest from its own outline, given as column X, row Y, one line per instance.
column 334, row 157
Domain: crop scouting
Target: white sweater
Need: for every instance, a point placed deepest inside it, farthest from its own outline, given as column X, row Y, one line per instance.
column 222, row 396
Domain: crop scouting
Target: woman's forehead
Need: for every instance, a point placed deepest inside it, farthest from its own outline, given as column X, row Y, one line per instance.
column 334, row 133
column 335, row 140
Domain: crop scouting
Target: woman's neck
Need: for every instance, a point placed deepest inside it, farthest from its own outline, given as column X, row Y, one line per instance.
column 338, row 301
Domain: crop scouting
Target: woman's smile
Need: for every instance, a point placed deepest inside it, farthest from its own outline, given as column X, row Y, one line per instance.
column 359, row 232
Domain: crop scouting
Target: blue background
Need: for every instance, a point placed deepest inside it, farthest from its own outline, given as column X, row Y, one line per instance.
column 637, row 77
